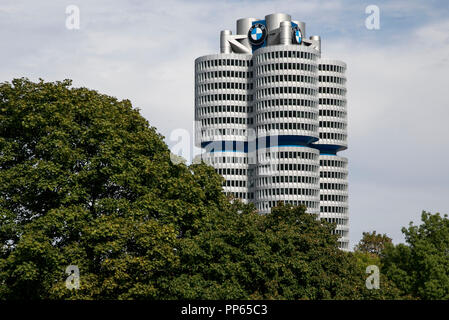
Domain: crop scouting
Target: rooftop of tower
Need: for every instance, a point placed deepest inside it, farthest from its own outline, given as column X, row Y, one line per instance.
column 274, row 29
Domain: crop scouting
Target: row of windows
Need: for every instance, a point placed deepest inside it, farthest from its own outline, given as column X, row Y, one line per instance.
column 285, row 54
column 235, row 183
column 231, row 171
column 276, row 115
column 288, row 155
column 262, row 169
column 224, row 74
column 343, row 245
column 341, row 233
column 223, row 132
column 215, row 159
column 226, row 120
column 286, row 191
column 285, row 66
column 285, row 90
column 278, row 90
column 333, row 163
column 226, row 97
column 225, row 85
column 340, row 221
column 332, row 124
column 333, row 102
column 286, row 77
column 332, row 209
column 333, row 186
column 224, row 62
column 241, row 195
column 333, row 136
column 267, row 80
column 330, row 67
column 331, row 90
column 333, row 197
column 223, row 108
column 271, row 204
column 218, row 158
column 333, row 175
column 291, row 114
column 286, row 102
column 332, row 113
column 287, row 126
column 286, row 179
column 332, row 79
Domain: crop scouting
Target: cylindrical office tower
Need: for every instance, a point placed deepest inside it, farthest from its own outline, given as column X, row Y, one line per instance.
column 286, row 117
column 223, row 104
column 333, row 138
column 271, row 116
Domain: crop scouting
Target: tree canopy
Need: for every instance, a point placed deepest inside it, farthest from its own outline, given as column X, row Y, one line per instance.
column 420, row 267
column 86, row 181
column 372, row 242
column 287, row 254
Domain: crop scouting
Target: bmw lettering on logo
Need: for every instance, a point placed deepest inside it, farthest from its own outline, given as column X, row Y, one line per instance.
column 297, row 35
column 257, row 34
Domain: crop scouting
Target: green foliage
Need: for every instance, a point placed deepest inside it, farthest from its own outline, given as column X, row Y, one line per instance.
column 84, row 180
column 240, row 254
column 372, row 242
column 421, row 268
column 387, row 288
column 368, row 252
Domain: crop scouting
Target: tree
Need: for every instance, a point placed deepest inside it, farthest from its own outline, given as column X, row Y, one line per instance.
column 387, row 288
column 372, row 242
column 287, row 254
column 420, row 267
column 84, row 180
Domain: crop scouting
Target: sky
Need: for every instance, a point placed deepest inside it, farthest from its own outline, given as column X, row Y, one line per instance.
column 144, row 51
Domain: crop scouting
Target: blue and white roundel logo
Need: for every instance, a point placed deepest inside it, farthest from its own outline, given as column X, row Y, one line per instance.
column 297, row 35
column 257, row 34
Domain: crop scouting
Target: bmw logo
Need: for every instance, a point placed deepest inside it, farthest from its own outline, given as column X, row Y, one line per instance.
column 257, row 34
column 297, row 35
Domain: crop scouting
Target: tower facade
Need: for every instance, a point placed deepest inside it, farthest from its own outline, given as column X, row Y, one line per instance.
column 271, row 117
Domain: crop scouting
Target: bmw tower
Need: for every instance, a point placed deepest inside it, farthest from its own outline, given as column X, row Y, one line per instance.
column 270, row 115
